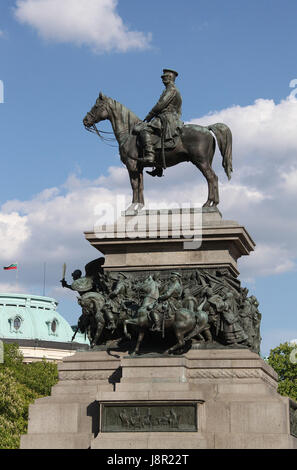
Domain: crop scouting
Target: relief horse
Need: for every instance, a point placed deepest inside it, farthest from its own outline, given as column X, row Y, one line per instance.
column 92, row 321
column 196, row 145
column 183, row 321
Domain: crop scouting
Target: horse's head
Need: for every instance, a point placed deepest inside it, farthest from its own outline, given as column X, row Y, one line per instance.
column 99, row 112
column 147, row 285
column 88, row 306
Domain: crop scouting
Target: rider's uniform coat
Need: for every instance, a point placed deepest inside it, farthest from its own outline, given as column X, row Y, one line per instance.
column 165, row 117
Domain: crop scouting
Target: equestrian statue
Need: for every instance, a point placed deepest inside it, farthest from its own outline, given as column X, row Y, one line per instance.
column 162, row 140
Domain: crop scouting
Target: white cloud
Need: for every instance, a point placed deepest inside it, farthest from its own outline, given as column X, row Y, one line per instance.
column 262, row 192
column 14, row 232
column 94, row 23
column 49, row 228
column 268, row 259
column 13, row 287
column 290, row 180
column 263, row 126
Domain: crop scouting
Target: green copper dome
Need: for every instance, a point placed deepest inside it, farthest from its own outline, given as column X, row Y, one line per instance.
column 32, row 317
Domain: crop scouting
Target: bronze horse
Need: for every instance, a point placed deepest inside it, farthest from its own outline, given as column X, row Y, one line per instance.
column 196, row 145
column 92, row 321
column 185, row 323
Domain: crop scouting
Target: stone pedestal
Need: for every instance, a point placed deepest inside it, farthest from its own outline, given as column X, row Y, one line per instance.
column 172, row 239
column 204, row 399
column 69, row 418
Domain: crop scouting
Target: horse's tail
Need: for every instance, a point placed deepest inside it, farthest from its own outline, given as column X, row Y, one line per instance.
column 200, row 308
column 224, row 139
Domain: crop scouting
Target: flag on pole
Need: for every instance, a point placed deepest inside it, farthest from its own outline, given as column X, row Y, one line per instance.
column 12, row 266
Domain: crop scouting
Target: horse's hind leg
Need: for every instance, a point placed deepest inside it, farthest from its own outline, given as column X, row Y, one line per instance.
column 180, row 343
column 212, row 181
column 140, row 191
column 207, row 336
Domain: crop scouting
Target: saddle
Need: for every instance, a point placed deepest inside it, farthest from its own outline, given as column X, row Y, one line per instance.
column 169, row 144
column 156, row 137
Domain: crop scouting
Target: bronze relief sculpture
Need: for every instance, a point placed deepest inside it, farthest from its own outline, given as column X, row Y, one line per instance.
column 167, row 312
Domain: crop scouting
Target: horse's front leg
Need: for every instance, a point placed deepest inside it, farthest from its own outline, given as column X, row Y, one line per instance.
column 98, row 333
column 89, row 336
column 134, row 180
column 140, row 190
column 125, row 323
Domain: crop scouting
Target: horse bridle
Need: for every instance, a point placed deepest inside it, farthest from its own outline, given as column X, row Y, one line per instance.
column 94, row 130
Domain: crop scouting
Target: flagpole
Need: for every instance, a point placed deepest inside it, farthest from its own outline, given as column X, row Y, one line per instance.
column 10, row 267
column 44, row 268
column 17, row 276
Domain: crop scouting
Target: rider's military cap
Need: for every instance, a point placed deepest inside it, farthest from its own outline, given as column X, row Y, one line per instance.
column 123, row 275
column 165, row 71
column 176, row 274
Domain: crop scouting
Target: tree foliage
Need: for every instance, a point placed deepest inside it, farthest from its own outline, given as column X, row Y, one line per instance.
column 20, row 385
column 283, row 361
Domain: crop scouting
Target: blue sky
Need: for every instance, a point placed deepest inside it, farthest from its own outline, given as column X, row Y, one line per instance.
column 235, row 60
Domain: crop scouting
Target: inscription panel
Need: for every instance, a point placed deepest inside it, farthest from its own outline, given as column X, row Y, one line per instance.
column 149, row 417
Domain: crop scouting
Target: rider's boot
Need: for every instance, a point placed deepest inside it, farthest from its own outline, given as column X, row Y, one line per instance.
column 110, row 320
column 158, row 171
column 111, row 326
column 149, row 153
column 158, row 328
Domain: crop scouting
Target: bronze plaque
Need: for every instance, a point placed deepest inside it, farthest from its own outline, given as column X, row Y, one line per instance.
column 149, row 417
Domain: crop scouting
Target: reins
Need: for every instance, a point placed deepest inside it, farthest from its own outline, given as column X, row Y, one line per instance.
column 93, row 129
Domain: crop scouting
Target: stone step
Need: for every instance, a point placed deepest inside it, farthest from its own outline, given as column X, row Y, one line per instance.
column 152, row 386
column 56, row 441
column 153, row 440
column 62, row 389
column 66, row 398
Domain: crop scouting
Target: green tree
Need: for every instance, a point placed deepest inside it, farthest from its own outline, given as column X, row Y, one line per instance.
column 283, row 361
column 20, row 385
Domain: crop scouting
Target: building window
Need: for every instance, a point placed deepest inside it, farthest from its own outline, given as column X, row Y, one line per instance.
column 17, row 323
column 54, row 326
